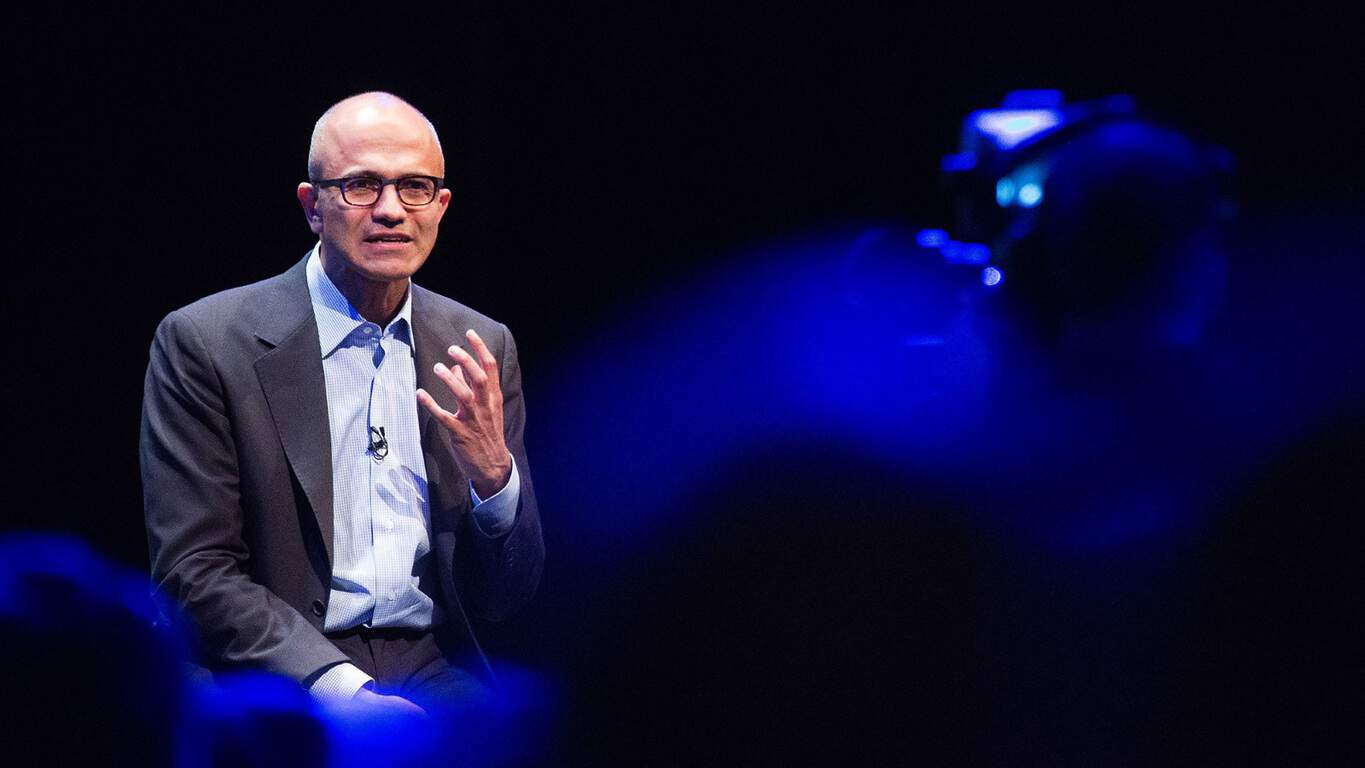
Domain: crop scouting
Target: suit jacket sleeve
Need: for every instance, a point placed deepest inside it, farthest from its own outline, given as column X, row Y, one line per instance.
column 195, row 517
column 500, row 574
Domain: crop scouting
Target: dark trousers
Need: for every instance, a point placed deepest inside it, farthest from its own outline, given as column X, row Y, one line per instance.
column 476, row 725
column 408, row 663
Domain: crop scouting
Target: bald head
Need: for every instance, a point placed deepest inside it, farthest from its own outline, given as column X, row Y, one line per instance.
column 373, row 113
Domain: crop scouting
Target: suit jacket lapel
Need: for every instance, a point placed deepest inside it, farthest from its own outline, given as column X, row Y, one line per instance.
column 432, row 339
column 291, row 377
column 447, row 487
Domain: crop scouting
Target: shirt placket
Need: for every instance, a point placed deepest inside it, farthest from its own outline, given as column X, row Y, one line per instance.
column 381, row 516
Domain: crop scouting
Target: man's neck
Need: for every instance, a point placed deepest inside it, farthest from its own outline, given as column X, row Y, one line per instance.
column 377, row 302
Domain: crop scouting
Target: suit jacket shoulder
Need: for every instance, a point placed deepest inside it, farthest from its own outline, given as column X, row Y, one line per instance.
column 273, row 308
column 444, row 312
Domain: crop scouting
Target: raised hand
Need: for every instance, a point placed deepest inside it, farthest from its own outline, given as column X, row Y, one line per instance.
column 476, row 427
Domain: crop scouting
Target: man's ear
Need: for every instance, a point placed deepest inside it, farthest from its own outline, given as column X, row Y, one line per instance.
column 308, row 198
column 442, row 201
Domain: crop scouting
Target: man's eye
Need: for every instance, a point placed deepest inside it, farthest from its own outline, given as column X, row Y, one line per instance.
column 363, row 185
column 421, row 185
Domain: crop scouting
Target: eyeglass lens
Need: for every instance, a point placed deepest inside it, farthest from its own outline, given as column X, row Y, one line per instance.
column 366, row 190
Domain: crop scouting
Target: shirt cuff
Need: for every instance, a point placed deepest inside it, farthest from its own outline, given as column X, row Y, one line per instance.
column 338, row 683
column 496, row 514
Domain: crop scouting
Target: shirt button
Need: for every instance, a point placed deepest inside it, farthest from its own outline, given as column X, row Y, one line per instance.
column 318, row 608
column 388, row 525
column 367, row 330
column 393, row 595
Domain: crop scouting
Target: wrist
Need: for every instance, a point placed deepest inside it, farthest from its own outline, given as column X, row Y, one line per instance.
column 495, row 480
column 339, row 682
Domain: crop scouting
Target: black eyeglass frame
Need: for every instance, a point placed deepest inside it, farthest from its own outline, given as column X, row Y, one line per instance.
column 341, row 184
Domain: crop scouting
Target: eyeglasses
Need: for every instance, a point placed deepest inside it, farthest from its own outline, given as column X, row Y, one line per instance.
column 365, row 190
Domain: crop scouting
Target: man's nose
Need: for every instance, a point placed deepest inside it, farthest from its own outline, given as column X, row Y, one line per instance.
column 388, row 208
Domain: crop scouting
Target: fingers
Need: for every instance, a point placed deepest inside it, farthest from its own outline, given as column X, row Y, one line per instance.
column 468, row 380
column 485, row 357
column 474, row 373
column 441, row 414
column 458, row 385
column 481, row 367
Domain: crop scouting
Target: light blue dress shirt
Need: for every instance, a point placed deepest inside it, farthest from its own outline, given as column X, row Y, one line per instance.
column 381, row 515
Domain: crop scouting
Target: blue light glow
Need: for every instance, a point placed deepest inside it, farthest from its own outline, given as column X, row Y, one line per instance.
column 1008, row 127
column 1033, row 98
column 1004, row 192
column 975, row 253
column 800, row 295
column 924, row 381
column 955, row 252
column 924, row 341
column 931, row 238
column 1030, row 195
column 960, row 162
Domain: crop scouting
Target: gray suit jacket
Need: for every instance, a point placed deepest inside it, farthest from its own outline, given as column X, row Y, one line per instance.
column 237, row 480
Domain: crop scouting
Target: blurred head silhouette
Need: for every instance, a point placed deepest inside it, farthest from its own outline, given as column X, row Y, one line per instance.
column 1125, row 254
column 93, row 675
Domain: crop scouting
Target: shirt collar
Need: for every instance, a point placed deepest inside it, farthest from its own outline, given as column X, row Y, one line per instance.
column 337, row 319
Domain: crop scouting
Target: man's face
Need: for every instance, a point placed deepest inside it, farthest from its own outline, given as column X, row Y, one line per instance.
column 387, row 241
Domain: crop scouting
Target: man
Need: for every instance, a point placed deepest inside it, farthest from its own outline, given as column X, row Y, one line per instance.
column 334, row 477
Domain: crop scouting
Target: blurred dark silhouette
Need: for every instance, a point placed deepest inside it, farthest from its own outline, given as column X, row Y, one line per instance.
column 1127, row 248
column 1276, row 640
column 797, row 617
column 901, row 514
column 256, row 720
column 93, row 681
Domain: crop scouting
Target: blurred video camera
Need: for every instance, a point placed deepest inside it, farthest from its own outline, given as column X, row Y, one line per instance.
column 1086, row 207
